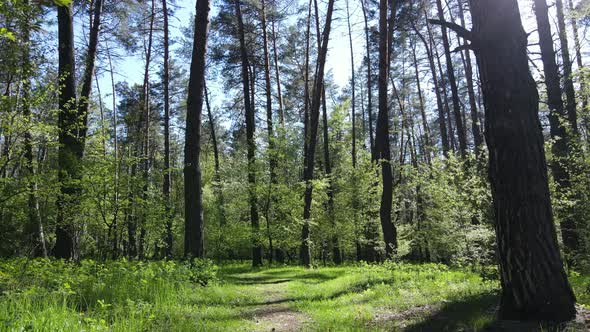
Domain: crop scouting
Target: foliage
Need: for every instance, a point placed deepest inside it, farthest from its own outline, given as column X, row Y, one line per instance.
column 44, row 295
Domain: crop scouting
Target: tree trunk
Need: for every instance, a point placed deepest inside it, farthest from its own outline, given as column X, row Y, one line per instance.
column 250, row 128
column 114, row 246
column 352, row 87
column 557, row 114
column 84, row 100
column 475, row 126
column 453, row 83
column 336, row 254
column 311, row 137
column 427, row 144
column 217, row 177
column 272, row 161
column 167, row 175
column 71, row 138
column 534, row 283
column 577, row 46
column 34, row 228
column 568, row 83
column 193, row 195
column 276, row 65
column 369, row 80
column 441, row 115
column 147, row 123
column 382, row 147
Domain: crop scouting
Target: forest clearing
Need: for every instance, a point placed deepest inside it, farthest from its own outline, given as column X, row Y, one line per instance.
column 294, row 165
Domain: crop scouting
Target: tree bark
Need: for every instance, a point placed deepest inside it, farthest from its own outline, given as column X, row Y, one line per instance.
column 558, row 131
column 427, row 143
column 441, row 115
column 568, row 82
column 369, row 80
column 276, row 65
column 250, row 128
column 34, row 228
column 71, row 138
column 580, row 64
column 336, row 254
column 534, row 283
column 272, row 161
column 311, row 137
column 382, row 147
column 475, row 126
column 453, row 83
column 167, row 183
column 84, row 100
column 116, row 170
column 193, row 195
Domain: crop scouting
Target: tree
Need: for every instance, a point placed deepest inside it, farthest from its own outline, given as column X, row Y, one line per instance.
column 534, row 283
column 272, row 162
column 382, row 148
column 251, row 144
column 557, row 119
column 167, row 186
column 568, row 83
column 477, row 136
column 453, row 83
column 311, row 137
column 193, row 197
column 369, row 79
column 439, row 103
column 71, row 136
column 34, row 229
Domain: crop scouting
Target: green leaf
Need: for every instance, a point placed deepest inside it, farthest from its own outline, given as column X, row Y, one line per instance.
column 5, row 33
column 62, row 3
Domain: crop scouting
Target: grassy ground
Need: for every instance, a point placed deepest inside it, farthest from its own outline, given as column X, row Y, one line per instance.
column 167, row 296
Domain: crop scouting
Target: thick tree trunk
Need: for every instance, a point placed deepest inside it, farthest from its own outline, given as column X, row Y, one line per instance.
column 311, row 137
column 534, row 283
column 382, row 147
column 193, row 195
column 557, row 114
column 453, row 83
column 568, row 83
column 250, row 128
column 71, row 139
column 167, row 183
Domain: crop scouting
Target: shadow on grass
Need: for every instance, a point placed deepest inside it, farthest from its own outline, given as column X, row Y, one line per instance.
column 357, row 287
column 474, row 313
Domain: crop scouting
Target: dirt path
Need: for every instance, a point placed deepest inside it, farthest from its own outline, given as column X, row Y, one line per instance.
column 274, row 312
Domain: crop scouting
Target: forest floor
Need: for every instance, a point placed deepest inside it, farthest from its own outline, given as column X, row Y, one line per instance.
column 405, row 298
column 157, row 296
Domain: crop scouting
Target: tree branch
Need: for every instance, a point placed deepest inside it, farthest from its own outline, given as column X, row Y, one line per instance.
column 461, row 31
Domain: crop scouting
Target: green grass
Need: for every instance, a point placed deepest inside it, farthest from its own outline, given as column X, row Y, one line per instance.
column 169, row 296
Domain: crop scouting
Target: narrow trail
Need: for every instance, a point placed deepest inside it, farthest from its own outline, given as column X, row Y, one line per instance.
column 273, row 312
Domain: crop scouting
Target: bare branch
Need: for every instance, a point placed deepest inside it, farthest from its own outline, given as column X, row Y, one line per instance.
column 461, row 31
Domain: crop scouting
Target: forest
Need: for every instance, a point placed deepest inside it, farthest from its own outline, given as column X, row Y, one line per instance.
column 307, row 165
